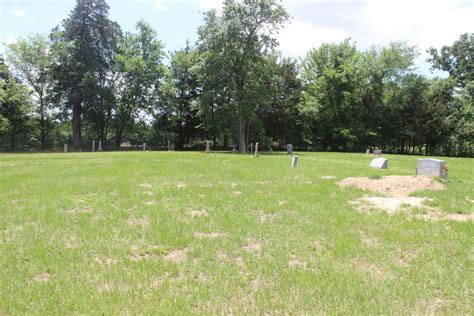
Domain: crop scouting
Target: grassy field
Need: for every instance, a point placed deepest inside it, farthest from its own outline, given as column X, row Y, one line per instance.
column 179, row 233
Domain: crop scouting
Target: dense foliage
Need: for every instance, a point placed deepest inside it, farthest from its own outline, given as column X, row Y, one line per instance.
column 88, row 80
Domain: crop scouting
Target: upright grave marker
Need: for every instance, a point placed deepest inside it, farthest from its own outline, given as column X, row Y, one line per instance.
column 144, row 146
column 294, row 161
column 93, row 145
column 289, row 149
column 377, row 152
column 432, row 167
column 100, row 146
column 65, row 148
column 208, row 147
column 256, row 149
column 367, row 151
column 379, row 163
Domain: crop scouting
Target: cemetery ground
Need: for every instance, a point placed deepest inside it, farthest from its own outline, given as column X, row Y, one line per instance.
column 172, row 232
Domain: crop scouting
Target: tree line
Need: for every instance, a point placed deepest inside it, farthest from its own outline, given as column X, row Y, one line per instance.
column 88, row 80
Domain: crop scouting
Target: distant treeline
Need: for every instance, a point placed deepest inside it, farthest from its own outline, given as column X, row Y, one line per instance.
column 88, row 80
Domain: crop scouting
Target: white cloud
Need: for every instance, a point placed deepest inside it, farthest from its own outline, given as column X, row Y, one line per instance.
column 210, row 4
column 298, row 38
column 159, row 6
column 18, row 12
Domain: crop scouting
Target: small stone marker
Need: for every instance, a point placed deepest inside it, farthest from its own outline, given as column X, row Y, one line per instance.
column 367, row 151
column 208, row 147
column 379, row 163
column 377, row 152
column 256, row 149
column 432, row 167
column 100, row 145
column 93, row 145
column 65, row 148
column 289, row 149
column 294, row 161
column 144, row 146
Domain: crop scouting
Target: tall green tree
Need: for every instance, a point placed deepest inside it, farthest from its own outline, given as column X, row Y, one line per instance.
column 84, row 43
column 30, row 61
column 234, row 45
column 139, row 68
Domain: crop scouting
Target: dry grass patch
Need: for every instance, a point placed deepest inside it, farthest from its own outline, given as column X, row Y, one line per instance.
column 44, row 277
column 145, row 185
column 132, row 221
column 253, row 247
column 198, row 213
column 177, row 255
column 79, row 210
column 208, row 235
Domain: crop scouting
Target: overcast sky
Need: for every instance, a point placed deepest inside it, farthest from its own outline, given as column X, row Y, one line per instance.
column 424, row 23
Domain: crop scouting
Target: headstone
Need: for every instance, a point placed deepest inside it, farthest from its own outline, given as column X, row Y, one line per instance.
column 432, row 167
column 208, row 147
column 294, row 161
column 367, row 151
column 256, row 149
column 93, row 145
column 144, row 146
column 289, row 149
column 379, row 163
column 169, row 146
column 172, row 147
column 377, row 152
column 100, row 146
column 65, row 148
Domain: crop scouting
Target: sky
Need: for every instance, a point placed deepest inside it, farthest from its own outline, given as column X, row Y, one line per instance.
column 424, row 23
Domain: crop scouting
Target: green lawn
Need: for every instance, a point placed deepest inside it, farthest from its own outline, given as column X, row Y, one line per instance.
column 180, row 233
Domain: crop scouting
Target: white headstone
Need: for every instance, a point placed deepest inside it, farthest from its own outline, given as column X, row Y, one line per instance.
column 294, row 161
column 367, row 151
column 377, row 152
column 256, row 149
column 379, row 163
column 289, row 149
column 65, row 148
column 432, row 167
column 144, row 146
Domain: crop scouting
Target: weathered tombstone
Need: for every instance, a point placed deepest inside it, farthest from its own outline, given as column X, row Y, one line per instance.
column 65, row 148
column 367, row 151
column 294, row 161
column 377, row 152
column 169, row 146
column 379, row 163
column 93, row 145
column 144, row 146
column 100, row 146
column 208, row 147
column 256, row 149
column 289, row 149
column 432, row 167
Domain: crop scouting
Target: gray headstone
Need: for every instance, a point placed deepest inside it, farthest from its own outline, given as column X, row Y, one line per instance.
column 65, row 148
column 93, row 145
column 208, row 147
column 100, row 146
column 144, row 146
column 432, row 167
column 379, row 163
column 377, row 152
column 256, row 149
column 289, row 149
column 294, row 161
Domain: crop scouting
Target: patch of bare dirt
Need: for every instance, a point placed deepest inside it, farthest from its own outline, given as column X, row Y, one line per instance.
column 389, row 204
column 79, row 210
column 396, row 186
column 145, row 185
column 295, row 263
column 208, row 235
column 177, row 255
column 42, row 277
column 265, row 216
column 132, row 221
column 434, row 215
column 198, row 213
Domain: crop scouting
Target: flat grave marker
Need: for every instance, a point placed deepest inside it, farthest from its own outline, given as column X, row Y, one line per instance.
column 379, row 163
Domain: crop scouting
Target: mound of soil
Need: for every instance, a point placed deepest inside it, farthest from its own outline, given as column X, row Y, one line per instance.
column 397, row 186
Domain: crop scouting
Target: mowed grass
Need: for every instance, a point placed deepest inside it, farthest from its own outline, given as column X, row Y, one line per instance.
column 181, row 233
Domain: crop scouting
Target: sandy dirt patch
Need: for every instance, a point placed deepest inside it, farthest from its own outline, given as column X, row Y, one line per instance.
column 213, row 235
column 390, row 204
column 198, row 213
column 393, row 185
column 435, row 215
column 133, row 221
column 177, row 255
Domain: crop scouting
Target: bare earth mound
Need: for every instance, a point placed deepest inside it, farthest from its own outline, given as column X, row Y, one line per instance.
column 397, row 186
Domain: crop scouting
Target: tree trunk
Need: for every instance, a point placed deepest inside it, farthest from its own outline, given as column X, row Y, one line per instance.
column 76, row 126
column 42, row 124
column 241, row 137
